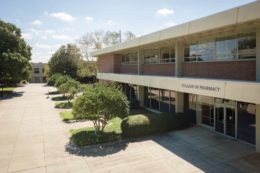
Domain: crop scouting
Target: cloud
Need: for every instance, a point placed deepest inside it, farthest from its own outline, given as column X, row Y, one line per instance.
column 27, row 36
column 89, row 19
column 36, row 22
column 49, row 31
column 43, row 46
column 62, row 16
column 47, row 46
column 110, row 23
column 164, row 12
column 61, row 37
column 170, row 23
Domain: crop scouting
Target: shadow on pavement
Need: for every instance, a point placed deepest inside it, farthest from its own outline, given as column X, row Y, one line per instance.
column 10, row 95
column 96, row 150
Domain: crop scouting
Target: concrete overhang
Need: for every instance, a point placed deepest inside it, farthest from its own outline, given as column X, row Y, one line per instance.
column 242, row 15
column 227, row 89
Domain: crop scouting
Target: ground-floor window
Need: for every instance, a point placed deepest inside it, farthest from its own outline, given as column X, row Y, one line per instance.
column 246, row 121
column 159, row 99
column 205, row 108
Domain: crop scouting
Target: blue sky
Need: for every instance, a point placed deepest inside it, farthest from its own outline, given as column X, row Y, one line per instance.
column 47, row 24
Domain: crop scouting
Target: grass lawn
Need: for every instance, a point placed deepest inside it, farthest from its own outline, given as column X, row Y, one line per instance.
column 86, row 136
column 64, row 105
column 66, row 116
column 59, row 98
column 8, row 89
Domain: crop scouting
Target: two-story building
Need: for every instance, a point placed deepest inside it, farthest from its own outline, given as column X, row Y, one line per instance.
column 207, row 68
column 37, row 75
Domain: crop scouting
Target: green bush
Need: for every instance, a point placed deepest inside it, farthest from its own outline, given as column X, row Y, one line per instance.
column 61, row 80
column 52, row 80
column 141, row 125
column 24, row 82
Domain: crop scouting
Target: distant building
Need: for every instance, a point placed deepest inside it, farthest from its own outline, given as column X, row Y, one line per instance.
column 38, row 73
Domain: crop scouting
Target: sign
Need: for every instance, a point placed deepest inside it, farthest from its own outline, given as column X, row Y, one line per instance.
column 201, row 87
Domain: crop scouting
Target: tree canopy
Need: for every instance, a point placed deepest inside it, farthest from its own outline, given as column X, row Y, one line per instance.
column 15, row 54
column 65, row 60
column 100, row 104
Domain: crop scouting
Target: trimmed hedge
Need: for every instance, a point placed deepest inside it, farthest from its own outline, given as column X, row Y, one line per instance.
column 141, row 125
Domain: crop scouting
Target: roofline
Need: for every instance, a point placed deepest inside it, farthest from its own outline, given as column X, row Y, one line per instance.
column 234, row 16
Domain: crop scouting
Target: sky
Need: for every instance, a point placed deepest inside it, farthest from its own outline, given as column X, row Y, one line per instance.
column 48, row 24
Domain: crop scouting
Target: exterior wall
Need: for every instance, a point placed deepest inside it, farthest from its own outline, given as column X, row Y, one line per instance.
column 159, row 69
column 109, row 63
column 235, row 70
column 38, row 77
column 130, row 69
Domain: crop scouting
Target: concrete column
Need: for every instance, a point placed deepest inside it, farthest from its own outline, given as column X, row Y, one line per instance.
column 179, row 102
column 258, row 54
column 257, row 129
column 179, row 58
column 140, row 61
column 141, row 95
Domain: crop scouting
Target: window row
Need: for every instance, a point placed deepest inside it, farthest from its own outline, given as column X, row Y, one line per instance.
column 232, row 48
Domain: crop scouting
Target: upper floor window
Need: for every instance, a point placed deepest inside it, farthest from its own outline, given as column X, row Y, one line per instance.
column 130, row 58
column 229, row 48
column 157, row 56
column 36, row 70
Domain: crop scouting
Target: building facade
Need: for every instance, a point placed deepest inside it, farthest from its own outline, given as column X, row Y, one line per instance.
column 207, row 68
column 37, row 75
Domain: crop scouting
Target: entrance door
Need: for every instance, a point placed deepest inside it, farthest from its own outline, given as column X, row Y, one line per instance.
column 225, row 120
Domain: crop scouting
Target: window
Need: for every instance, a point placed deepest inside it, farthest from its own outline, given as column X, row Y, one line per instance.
column 36, row 70
column 247, row 47
column 164, row 55
column 167, row 55
column 151, row 56
column 229, row 48
column 129, row 59
column 158, row 99
column 226, row 49
column 206, row 110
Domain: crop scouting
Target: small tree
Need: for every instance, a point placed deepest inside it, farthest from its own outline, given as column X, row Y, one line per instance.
column 71, row 88
column 52, row 80
column 100, row 104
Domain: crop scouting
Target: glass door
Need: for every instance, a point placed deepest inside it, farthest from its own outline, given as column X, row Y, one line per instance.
column 225, row 120
column 230, row 121
column 219, row 119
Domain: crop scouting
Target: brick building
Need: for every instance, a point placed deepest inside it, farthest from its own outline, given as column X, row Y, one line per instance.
column 207, row 68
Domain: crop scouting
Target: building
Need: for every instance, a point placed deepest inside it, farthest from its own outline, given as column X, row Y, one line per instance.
column 207, row 68
column 38, row 73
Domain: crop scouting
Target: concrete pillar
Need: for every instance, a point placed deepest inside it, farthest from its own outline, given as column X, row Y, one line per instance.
column 179, row 58
column 258, row 54
column 257, row 129
column 140, row 61
column 179, row 102
column 141, row 95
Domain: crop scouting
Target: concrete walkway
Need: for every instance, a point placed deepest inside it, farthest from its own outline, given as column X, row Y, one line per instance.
column 34, row 139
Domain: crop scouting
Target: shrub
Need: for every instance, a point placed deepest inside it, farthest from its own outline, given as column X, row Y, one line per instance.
column 140, row 125
column 24, row 82
column 100, row 104
column 61, row 80
column 51, row 81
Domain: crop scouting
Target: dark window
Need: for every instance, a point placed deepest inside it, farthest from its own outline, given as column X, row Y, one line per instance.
column 246, row 122
column 164, row 100
column 247, row 47
column 36, row 70
column 154, row 97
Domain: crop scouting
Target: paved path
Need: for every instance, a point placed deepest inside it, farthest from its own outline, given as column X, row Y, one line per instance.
column 34, row 139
